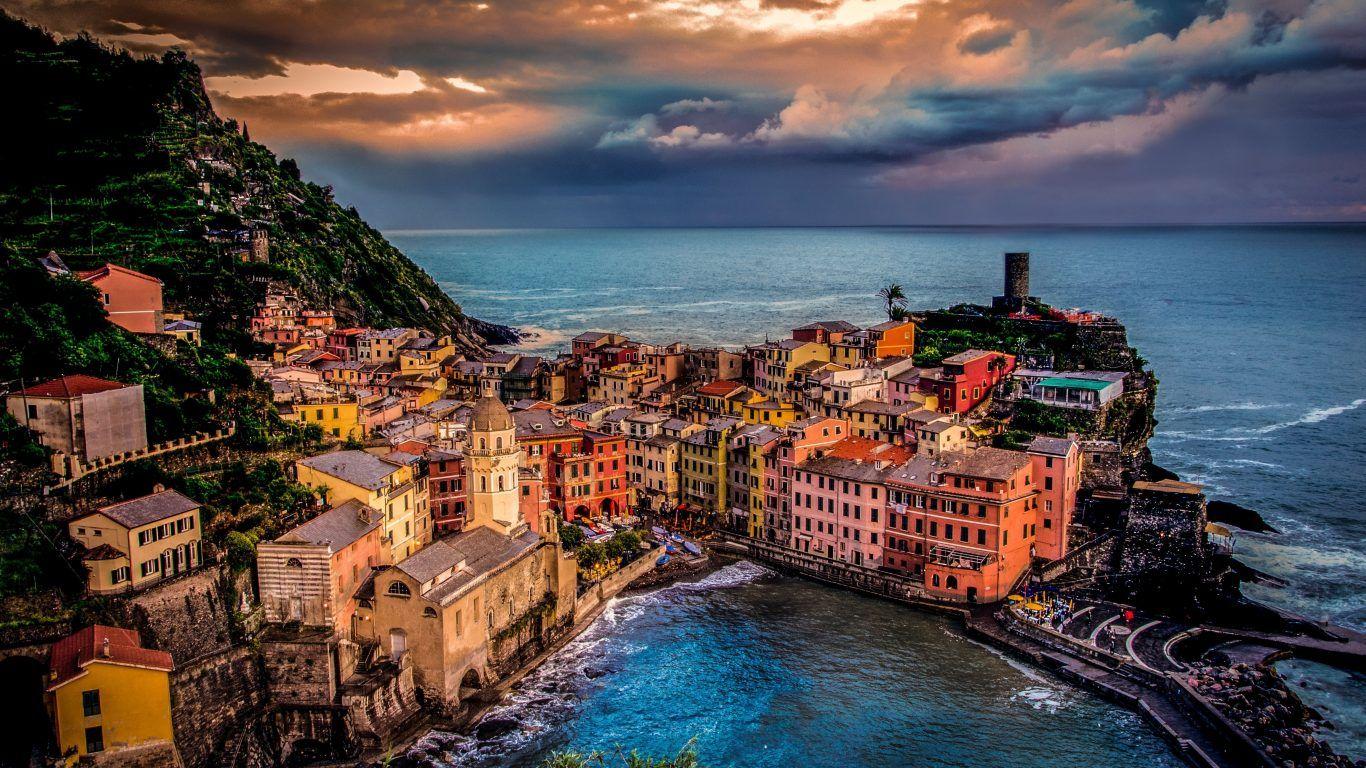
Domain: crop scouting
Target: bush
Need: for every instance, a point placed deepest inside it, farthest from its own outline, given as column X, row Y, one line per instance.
column 625, row 546
column 241, row 550
column 571, row 535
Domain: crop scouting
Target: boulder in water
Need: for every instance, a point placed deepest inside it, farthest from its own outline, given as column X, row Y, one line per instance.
column 1238, row 516
column 493, row 727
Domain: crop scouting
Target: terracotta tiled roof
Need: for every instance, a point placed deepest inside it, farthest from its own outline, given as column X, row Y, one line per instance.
column 96, row 274
column 868, row 450
column 70, row 655
column 71, row 386
column 719, row 388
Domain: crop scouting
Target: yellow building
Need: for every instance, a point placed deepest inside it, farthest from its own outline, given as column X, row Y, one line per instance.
column 781, row 358
column 337, row 418
column 380, row 484
column 769, row 412
column 702, row 465
column 140, row 541
column 424, row 354
column 748, row 446
column 108, row 694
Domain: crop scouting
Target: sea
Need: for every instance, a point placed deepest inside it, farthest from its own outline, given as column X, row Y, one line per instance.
column 1258, row 337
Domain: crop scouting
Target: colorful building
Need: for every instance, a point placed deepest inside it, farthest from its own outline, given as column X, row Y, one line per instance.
column 703, row 463
column 774, row 378
column 839, row 500
column 311, row 573
column 966, row 522
column 378, row 483
column 132, row 299
column 108, row 694
column 1057, row 473
column 139, row 542
column 966, row 379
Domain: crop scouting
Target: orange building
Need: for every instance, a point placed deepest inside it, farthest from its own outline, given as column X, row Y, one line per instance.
column 892, row 338
column 132, row 299
column 1057, row 473
column 965, row 521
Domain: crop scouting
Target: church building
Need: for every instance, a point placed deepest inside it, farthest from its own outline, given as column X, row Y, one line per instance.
column 469, row 608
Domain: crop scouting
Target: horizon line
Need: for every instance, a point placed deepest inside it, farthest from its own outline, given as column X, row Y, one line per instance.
column 1149, row 225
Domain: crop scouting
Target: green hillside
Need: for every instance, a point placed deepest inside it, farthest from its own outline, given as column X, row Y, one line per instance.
column 113, row 157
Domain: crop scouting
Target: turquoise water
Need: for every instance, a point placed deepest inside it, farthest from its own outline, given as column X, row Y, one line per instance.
column 1256, row 333
column 769, row 672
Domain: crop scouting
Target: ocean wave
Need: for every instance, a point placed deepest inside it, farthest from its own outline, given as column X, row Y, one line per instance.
column 1240, row 406
column 1245, row 434
column 549, row 695
column 1312, row 417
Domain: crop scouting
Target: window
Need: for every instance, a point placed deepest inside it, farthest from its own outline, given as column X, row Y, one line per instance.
column 90, row 702
column 119, row 575
column 1048, row 483
column 399, row 589
column 33, row 411
column 94, row 737
column 1047, row 523
column 294, row 562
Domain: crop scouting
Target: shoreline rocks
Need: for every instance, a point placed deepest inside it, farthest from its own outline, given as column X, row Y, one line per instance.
column 1257, row 699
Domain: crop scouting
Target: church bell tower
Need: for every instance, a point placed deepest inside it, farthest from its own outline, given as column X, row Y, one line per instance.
column 491, row 468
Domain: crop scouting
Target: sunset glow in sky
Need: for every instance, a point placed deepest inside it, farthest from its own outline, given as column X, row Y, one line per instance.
column 703, row 112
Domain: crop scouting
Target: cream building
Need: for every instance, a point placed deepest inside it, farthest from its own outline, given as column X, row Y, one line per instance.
column 467, row 608
column 140, row 541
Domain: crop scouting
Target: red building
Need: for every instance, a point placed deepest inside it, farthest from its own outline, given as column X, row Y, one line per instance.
column 966, row 379
column 590, row 480
column 446, row 488
column 966, row 522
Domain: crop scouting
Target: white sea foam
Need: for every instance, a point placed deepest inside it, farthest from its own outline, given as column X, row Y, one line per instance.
column 549, row 694
column 1241, row 406
column 1313, row 417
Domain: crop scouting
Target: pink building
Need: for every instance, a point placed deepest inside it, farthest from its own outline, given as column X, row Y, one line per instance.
column 839, row 500
column 132, row 299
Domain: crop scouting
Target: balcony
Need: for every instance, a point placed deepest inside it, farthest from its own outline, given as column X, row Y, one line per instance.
column 953, row 557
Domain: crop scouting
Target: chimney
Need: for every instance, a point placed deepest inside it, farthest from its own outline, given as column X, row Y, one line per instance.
column 158, row 488
column 104, row 648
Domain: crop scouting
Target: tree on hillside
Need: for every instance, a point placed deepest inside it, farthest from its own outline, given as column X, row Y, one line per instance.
column 895, row 299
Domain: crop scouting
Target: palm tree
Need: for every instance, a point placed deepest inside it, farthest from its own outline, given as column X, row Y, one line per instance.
column 895, row 298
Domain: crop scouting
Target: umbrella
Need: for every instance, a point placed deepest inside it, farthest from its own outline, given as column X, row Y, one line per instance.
column 1033, row 606
column 1015, row 598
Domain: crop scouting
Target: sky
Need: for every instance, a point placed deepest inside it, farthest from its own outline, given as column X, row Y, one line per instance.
column 523, row 113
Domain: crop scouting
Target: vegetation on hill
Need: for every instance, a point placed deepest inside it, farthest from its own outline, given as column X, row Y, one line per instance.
column 113, row 157
column 110, row 157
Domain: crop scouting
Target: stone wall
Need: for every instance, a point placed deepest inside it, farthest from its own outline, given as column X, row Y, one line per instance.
column 160, row 754
column 381, row 704
column 189, row 616
column 300, row 667
column 213, row 701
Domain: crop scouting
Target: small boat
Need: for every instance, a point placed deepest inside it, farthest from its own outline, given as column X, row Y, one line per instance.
column 676, row 537
column 692, row 548
column 662, row 560
column 659, row 532
column 669, row 548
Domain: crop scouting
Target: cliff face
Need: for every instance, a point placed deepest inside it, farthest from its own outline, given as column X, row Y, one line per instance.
column 111, row 157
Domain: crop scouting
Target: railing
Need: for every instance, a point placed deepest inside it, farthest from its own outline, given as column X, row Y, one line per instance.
column 76, row 468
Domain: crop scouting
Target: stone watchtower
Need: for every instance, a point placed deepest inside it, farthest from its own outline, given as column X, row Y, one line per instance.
column 491, row 467
column 1016, row 284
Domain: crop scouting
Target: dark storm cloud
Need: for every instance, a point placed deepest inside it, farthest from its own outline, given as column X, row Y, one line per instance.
column 653, row 110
